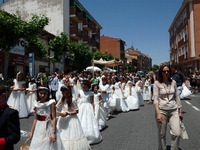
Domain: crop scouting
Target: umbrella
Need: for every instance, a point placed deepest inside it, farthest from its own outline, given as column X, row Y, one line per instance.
column 93, row 68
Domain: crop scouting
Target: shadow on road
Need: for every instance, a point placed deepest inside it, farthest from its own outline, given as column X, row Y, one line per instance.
column 169, row 147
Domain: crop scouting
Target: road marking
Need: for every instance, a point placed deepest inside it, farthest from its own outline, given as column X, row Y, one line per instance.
column 192, row 106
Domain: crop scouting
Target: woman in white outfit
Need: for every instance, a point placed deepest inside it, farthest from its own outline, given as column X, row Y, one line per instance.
column 138, row 87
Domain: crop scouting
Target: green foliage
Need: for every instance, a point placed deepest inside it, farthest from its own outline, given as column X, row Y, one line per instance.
column 14, row 29
column 59, row 45
column 155, row 67
column 98, row 55
column 37, row 46
column 82, row 56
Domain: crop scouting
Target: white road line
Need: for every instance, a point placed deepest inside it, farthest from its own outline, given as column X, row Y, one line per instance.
column 188, row 103
column 192, row 106
column 196, row 108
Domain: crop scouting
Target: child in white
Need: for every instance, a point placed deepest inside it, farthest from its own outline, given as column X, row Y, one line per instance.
column 132, row 99
column 138, row 87
column 69, row 126
column 86, row 114
column 31, row 94
column 43, row 131
column 146, row 90
column 99, row 111
column 17, row 97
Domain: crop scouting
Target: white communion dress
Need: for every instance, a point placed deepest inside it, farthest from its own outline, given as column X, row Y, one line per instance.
column 31, row 96
column 132, row 98
column 99, row 111
column 70, row 129
column 17, row 99
column 43, row 128
column 87, row 118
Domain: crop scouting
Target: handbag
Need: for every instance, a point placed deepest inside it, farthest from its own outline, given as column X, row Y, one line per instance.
column 25, row 146
column 183, row 131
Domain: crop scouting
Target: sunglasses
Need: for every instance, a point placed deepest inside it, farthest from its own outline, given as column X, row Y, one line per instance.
column 164, row 71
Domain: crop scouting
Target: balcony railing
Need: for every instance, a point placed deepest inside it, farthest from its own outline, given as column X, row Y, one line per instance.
column 87, row 24
column 87, row 39
column 75, row 32
column 75, row 14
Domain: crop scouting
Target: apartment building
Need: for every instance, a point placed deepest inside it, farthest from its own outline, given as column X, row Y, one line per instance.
column 184, row 34
column 113, row 46
column 67, row 16
column 138, row 60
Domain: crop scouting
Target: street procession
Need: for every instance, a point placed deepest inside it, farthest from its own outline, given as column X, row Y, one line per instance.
column 70, row 82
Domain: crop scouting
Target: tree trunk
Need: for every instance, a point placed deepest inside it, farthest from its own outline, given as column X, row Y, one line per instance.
column 7, row 54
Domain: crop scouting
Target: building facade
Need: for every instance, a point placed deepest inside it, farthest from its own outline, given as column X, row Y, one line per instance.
column 113, row 46
column 184, row 34
column 138, row 60
column 67, row 16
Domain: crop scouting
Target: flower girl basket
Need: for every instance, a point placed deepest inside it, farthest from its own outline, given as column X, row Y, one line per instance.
column 25, row 146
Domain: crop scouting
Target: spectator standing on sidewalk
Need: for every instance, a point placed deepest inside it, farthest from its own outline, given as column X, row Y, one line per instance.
column 168, row 107
column 9, row 123
column 179, row 77
column 54, row 86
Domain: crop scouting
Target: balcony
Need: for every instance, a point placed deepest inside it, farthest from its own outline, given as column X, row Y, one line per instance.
column 75, row 14
column 181, row 43
column 87, row 24
column 95, row 44
column 87, row 39
column 75, row 33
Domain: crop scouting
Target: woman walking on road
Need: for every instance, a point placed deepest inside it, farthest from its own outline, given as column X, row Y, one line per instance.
column 168, row 107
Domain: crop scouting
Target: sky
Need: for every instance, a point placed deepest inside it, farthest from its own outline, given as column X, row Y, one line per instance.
column 143, row 24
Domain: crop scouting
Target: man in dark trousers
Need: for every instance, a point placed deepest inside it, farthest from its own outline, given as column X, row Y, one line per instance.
column 9, row 123
column 179, row 77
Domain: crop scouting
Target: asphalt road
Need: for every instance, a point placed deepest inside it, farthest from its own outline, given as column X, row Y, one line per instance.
column 136, row 130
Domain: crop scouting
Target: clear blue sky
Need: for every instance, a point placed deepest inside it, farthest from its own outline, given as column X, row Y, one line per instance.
column 142, row 24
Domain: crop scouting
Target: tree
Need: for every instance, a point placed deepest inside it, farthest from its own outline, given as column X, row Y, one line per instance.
column 13, row 28
column 98, row 55
column 155, row 67
column 59, row 45
column 82, row 56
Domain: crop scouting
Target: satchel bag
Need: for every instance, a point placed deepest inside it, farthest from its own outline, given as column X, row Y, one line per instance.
column 183, row 131
column 25, row 146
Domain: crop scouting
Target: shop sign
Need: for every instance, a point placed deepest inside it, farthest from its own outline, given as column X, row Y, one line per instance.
column 19, row 48
column 16, row 59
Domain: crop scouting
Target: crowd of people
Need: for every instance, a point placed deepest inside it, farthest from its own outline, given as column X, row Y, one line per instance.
column 72, row 109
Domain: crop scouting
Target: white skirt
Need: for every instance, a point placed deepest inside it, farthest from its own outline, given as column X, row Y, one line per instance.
column 89, row 123
column 17, row 101
column 71, row 133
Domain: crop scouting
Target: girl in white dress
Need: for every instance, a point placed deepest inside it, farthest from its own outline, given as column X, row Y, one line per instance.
column 61, row 82
column 112, row 99
column 132, row 99
column 99, row 111
column 17, row 97
column 69, row 126
column 146, row 90
column 43, row 131
column 138, row 87
column 86, row 114
column 31, row 94
column 121, row 103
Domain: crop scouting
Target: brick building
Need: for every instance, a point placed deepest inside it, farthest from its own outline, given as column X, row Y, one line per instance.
column 184, row 35
column 138, row 60
column 113, row 46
